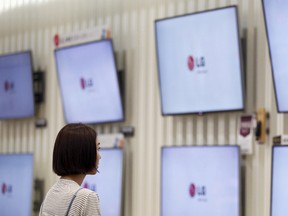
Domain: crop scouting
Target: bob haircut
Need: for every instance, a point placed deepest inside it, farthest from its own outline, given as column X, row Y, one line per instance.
column 75, row 150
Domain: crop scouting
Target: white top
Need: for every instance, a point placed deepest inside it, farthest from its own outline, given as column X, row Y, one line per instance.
column 60, row 195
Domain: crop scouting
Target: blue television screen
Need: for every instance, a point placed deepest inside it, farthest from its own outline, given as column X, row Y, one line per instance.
column 108, row 182
column 16, row 91
column 199, row 62
column 89, row 84
column 279, row 181
column 16, row 179
column 200, row 180
column 276, row 19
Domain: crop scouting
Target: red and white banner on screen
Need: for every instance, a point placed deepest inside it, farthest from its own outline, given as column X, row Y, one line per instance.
column 246, row 133
column 114, row 140
column 96, row 33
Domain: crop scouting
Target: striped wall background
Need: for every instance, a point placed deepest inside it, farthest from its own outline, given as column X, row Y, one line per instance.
column 31, row 24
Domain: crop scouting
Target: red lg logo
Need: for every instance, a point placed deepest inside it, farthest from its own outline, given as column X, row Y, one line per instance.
column 192, row 190
column 85, row 185
column 90, row 186
column 82, row 83
column 198, row 62
column 190, row 62
column 8, row 86
column 197, row 190
column 4, row 188
column 86, row 83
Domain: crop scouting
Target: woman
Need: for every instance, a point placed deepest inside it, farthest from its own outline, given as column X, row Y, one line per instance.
column 75, row 155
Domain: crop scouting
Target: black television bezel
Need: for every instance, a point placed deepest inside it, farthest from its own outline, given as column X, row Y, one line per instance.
column 271, row 58
column 32, row 83
column 240, row 61
column 122, row 119
column 202, row 146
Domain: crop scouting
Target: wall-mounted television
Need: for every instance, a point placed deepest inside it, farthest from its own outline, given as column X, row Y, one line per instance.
column 276, row 19
column 16, row 90
column 200, row 180
column 89, row 84
column 108, row 182
column 16, row 181
column 279, row 181
column 199, row 62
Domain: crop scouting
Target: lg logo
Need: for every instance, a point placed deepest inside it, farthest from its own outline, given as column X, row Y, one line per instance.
column 192, row 190
column 8, row 86
column 91, row 187
column 198, row 62
column 197, row 190
column 190, row 63
column 86, row 83
column 6, row 189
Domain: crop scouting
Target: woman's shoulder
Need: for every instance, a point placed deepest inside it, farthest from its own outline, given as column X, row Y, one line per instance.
column 89, row 201
column 87, row 193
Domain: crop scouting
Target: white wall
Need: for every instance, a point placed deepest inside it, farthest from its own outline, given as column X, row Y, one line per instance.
column 32, row 25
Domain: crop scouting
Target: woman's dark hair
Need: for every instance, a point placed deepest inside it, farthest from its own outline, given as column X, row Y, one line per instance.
column 75, row 150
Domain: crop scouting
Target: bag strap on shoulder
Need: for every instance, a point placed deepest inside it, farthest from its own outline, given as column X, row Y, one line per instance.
column 74, row 196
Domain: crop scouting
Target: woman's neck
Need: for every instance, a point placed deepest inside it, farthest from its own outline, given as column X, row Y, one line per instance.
column 77, row 178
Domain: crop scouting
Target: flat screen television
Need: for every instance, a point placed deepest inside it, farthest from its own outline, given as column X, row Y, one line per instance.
column 16, row 91
column 279, row 181
column 89, row 84
column 200, row 180
column 16, row 181
column 108, row 182
column 199, row 62
column 276, row 19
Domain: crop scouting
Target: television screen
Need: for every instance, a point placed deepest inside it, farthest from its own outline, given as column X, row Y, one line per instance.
column 16, row 91
column 16, row 181
column 89, row 83
column 276, row 19
column 200, row 180
column 199, row 62
column 279, row 181
column 108, row 182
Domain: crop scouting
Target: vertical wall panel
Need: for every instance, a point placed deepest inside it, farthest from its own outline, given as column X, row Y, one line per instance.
column 232, row 129
column 191, row 5
column 168, row 120
column 18, row 135
column 189, row 131
column 210, row 130
column 143, row 108
column 211, row 122
column 150, row 91
column 128, row 98
column 179, row 121
column 160, row 125
column 10, row 137
column 211, row 4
